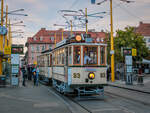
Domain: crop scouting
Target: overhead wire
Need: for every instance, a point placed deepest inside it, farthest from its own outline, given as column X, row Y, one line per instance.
column 129, row 12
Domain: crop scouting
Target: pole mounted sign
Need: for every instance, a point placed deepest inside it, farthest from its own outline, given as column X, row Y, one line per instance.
column 93, row 1
column 3, row 30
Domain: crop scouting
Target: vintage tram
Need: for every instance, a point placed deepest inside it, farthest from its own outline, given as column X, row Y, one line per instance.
column 76, row 65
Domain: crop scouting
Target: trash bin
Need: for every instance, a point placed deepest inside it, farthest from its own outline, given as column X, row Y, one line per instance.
column 2, row 81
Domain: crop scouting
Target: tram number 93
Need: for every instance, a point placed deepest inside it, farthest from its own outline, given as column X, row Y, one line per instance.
column 76, row 75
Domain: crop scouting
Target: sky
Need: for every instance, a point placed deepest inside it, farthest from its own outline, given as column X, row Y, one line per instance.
column 46, row 13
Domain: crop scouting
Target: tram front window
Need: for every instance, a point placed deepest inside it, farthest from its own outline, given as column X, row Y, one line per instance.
column 77, row 56
column 90, row 55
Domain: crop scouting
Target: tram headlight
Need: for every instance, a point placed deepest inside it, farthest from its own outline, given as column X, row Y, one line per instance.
column 91, row 75
column 78, row 38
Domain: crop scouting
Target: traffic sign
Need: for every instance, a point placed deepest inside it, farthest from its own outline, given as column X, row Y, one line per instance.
column 134, row 52
column 92, row 1
column 3, row 30
column 127, row 51
column 7, row 50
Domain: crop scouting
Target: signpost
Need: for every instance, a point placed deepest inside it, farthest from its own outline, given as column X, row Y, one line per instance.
column 16, row 50
column 14, row 69
column 3, row 30
column 127, row 52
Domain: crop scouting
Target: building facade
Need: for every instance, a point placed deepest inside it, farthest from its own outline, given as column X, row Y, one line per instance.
column 144, row 30
column 45, row 39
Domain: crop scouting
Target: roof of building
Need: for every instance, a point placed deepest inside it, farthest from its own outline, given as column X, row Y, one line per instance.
column 143, row 29
column 44, row 36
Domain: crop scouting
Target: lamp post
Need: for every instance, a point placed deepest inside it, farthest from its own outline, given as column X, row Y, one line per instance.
column 112, row 38
column 1, row 37
column 112, row 45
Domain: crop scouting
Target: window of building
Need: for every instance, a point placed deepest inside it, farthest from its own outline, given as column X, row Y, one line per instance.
column 32, row 48
column 77, row 55
column 90, row 55
column 52, row 38
column 43, row 47
column 38, row 48
column 50, row 46
column 32, row 56
column 102, row 53
column 41, row 38
column 148, row 40
column 34, row 38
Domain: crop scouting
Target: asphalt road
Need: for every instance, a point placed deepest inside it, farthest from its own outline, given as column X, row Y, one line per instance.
column 43, row 99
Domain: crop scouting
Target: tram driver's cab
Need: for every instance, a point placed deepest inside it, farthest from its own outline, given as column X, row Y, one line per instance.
column 86, row 54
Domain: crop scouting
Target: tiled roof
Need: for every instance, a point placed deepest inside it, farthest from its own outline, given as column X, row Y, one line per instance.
column 47, row 34
column 143, row 29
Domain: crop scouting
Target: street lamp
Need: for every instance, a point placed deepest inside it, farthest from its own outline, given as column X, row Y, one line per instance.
column 17, row 24
column 14, row 12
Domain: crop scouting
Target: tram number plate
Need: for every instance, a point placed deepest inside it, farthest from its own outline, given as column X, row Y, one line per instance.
column 76, row 75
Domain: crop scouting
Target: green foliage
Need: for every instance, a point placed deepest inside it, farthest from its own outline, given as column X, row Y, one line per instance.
column 128, row 38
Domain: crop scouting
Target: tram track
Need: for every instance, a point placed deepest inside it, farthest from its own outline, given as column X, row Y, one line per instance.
column 131, row 96
column 131, row 89
column 68, row 101
column 75, row 106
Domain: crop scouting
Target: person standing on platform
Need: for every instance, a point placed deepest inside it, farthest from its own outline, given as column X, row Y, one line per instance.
column 35, row 75
column 23, row 75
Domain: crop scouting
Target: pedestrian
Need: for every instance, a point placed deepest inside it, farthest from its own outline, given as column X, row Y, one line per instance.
column 108, row 73
column 23, row 75
column 35, row 75
column 29, row 72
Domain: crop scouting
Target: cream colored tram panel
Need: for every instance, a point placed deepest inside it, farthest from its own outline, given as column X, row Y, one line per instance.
column 59, row 74
column 80, row 75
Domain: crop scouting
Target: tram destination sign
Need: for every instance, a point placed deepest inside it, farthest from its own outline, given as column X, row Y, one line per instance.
column 17, row 49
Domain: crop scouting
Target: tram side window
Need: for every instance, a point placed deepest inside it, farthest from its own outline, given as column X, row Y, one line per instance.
column 90, row 55
column 77, row 55
column 54, row 58
column 48, row 60
column 70, row 55
column 61, row 56
column 102, row 57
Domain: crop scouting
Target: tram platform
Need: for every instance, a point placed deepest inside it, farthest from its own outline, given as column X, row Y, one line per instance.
column 30, row 99
column 142, row 87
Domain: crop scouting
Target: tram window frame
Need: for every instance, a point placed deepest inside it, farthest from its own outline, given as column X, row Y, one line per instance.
column 70, row 55
column 74, row 55
column 104, row 56
column 59, row 57
column 54, row 58
column 89, row 52
column 48, row 59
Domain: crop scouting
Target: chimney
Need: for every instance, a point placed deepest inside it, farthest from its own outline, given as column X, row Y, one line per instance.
column 43, row 29
column 141, row 22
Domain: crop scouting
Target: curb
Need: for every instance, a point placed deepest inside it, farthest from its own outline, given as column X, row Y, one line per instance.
column 128, row 88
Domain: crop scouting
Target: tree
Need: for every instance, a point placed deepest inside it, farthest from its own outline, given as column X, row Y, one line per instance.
column 128, row 38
